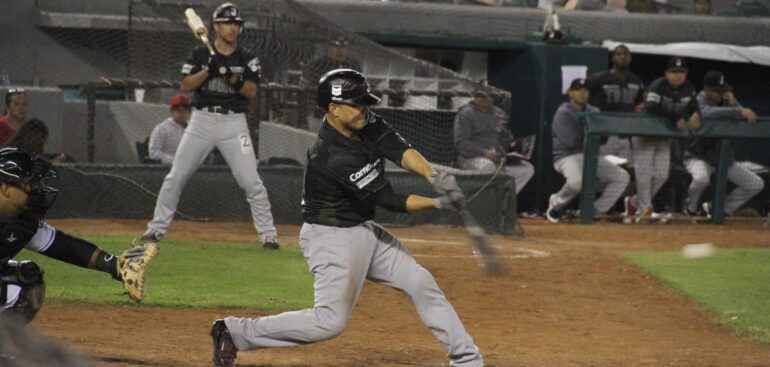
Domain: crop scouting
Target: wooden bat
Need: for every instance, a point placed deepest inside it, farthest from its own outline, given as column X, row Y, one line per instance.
column 200, row 32
column 486, row 256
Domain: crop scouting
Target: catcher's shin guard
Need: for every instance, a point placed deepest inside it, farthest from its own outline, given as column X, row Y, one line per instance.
column 224, row 352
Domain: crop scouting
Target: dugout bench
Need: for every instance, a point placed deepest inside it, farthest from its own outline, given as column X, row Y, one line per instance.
column 601, row 124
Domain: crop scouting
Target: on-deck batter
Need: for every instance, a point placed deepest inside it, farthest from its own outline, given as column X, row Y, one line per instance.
column 219, row 119
column 344, row 180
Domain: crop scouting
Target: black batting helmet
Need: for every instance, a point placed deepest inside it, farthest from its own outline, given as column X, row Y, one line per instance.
column 227, row 12
column 344, row 86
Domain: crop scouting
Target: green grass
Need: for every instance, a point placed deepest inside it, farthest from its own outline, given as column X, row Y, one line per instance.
column 734, row 284
column 191, row 274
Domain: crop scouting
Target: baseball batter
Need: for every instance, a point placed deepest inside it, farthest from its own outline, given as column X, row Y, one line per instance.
column 220, row 102
column 24, row 199
column 344, row 180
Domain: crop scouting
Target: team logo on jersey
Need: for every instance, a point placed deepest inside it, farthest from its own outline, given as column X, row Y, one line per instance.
column 336, row 90
column 366, row 174
column 11, row 238
column 254, row 65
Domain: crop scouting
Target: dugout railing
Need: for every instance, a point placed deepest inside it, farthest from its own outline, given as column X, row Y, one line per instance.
column 625, row 124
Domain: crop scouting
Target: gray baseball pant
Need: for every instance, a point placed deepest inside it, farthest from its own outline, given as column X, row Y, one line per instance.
column 521, row 172
column 747, row 184
column 230, row 134
column 652, row 159
column 611, row 180
column 340, row 260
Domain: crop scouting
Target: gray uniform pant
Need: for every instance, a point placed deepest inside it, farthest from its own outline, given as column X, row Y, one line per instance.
column 230, row 134
column 652, row 159
column 611, row 180
column 340, row 260
column 747, row 184
column 521, row 172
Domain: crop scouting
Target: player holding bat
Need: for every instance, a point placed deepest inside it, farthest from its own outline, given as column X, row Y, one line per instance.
column 223, row 83
column 344, row 180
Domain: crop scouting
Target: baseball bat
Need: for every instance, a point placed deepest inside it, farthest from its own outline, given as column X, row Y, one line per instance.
column 486, row 256
column 199, row 31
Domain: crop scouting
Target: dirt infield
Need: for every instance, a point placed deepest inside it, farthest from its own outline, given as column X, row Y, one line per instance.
column 579, row 306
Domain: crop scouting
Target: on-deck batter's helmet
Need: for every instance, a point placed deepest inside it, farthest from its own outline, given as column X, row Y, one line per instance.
column 227, row 12
column 345, row 86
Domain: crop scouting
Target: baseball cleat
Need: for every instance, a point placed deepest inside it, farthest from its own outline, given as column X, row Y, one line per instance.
column 151, row 236
column 552, row 215
column 270, row 243
column 225, row 352
column 707, row 209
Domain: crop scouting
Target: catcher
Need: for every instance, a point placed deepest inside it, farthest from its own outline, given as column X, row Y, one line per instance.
column 24, row 199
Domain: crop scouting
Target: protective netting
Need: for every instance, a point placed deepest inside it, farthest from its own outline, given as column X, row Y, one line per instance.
column 295, row 47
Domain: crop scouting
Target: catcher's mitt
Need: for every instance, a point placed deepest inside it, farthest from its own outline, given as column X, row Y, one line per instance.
column 131, row 266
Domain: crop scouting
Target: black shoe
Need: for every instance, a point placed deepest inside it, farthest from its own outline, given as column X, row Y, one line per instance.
column 225, row 352
column 270, row 244
column 150, row 236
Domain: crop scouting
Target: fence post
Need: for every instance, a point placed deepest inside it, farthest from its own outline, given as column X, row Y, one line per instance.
column 720, row 187
column 590, row 162
column 90, row 123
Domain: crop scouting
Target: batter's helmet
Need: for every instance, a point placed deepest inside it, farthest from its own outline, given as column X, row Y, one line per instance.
column 344, row 86
column 227, row 12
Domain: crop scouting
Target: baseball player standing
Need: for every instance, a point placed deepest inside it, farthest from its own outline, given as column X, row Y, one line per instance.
column 24, row 199
column 672, row 97
column 716, row 100
column 220, row 102
column 617, row 90
column 344, row 180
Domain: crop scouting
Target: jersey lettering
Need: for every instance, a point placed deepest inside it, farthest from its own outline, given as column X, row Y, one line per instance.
column 363, row 171
column 220, row 85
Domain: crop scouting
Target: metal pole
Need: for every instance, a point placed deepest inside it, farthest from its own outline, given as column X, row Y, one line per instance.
column 91, row 123
column 128, row 37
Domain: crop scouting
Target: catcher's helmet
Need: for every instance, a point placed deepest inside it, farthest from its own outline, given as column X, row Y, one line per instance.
column 18, row 168
column 344, row 86
column 227, row 12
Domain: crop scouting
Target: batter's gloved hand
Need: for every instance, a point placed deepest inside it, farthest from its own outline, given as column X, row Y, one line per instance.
column 444, row 183
column 449, row 203
column 218, row 66
column 132, row 264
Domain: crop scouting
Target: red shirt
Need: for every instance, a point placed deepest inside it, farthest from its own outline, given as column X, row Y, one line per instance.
column 6, row 132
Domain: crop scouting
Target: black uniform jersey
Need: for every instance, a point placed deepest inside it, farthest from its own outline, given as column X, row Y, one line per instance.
column 216, row 90
column 343, row 174
column 669, row 102
column 612, row 94
column 22, row 231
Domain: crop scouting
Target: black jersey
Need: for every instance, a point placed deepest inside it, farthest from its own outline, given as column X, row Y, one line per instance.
column 343, row 174
column 669, row 102
column 17, row 232
column 216, row 90
column 612, row 94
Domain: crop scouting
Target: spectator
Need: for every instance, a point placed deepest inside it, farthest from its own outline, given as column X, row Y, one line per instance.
column 716, row 100
column 15, row 113
column 482, row 138
column 568, row 157
column 31, row 138
column 672, row 97
column 166, row 136
column 702, row 7
column 617, row 90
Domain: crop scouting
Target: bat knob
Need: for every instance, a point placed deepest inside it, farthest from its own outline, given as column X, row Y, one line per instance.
column 222, row 70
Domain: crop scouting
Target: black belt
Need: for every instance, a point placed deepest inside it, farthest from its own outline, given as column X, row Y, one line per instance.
column 218, row 109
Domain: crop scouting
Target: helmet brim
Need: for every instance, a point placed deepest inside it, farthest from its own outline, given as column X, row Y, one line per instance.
column 365, row 100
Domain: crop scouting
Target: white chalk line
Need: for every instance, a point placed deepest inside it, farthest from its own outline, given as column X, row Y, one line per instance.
column 527, row 254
